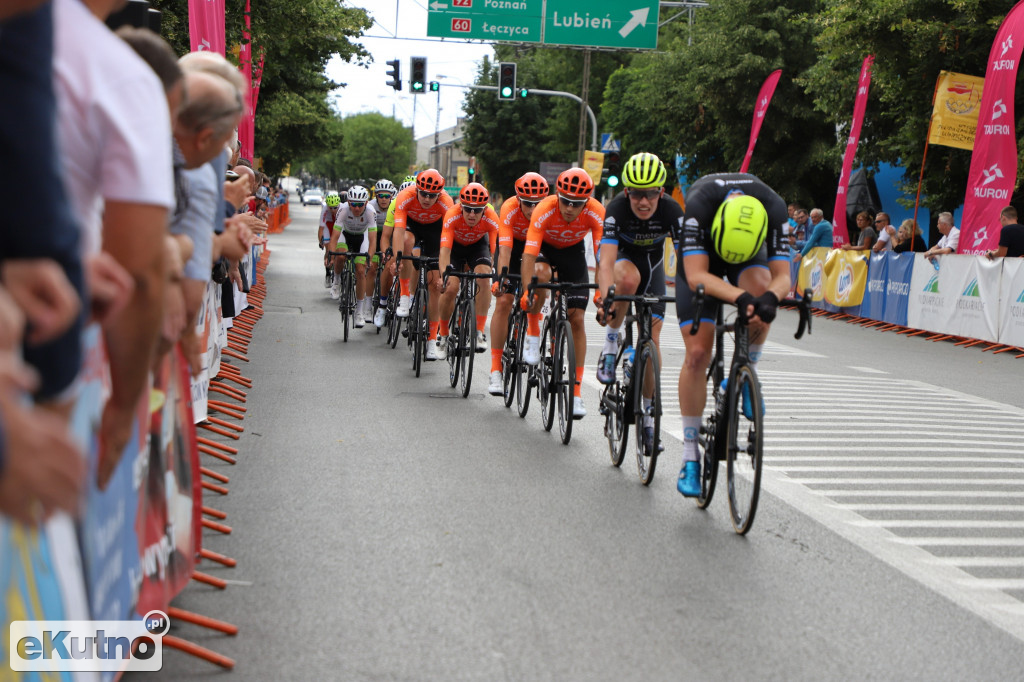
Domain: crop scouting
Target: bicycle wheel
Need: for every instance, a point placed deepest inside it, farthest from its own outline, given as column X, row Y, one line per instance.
column 343, row 305
column 375, row 299
column 545, row 372
column 418, row 331
column 522, row 371
column 565, row 379
column 613, row 400
column 744, row 447
column 454, row 358
column 709, row 446
column 508, row 360
column 393, row 320
column 467, row 346
column 647, row 406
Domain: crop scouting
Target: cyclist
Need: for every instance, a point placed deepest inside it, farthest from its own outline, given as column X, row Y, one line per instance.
column 636, row 223
column 383, row 192
column 512, row 228
column 464, row 247
column 328, row 213
column 420, row 209
column 356, row 228
column 557, row 229
column 732, row 228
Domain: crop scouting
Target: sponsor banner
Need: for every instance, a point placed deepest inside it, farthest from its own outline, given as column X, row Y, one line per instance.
column 812, row 274
column 764, row 98
column 1011, row 303
column 201, row 382
column 873, row 305
column 846, row 275
column 931, row 292
column 206, row 25
column 840, row 235
column 993, row 173
column 960, row 297
column 955, row 111
column 899, row 272
column 593, row 163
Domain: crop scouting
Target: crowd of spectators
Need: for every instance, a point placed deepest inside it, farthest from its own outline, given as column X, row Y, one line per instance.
column 126, row 214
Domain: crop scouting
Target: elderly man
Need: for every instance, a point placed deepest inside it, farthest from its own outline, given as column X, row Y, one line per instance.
column 821, row 234
column 950, row 237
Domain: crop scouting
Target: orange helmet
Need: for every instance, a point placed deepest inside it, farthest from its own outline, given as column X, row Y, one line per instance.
column 474, row 194
column 574, row 183
column 532, row 186
column 430, row 180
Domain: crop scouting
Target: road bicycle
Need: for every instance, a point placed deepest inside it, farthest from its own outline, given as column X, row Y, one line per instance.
column 347, row 289
column 417, row 325
column 461, row 348
column 382, row 261
column 513, row 369
column 734, row 428
column 635, row 396
column 555, row 374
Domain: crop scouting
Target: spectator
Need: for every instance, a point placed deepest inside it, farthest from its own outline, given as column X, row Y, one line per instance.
column 885, row 233
column 1011, row 236
column 821, row 234
column 867, row 236
column 114, row 129
column 950, row 237
column 908, row 237
column 801, row 229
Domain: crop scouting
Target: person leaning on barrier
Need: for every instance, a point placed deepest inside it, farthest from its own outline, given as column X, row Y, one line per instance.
column 866, row 238
column 908, row 238
column 821, row 234
column 950, row 240
column 885, row 233
column 1011, row 236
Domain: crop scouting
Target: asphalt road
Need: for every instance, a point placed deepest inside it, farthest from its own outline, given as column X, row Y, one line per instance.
column 387, row 530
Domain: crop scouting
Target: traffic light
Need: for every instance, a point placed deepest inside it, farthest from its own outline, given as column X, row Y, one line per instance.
column 523, row 92
column 507, row 80
column 472, row 174
column 418, row 75
column 613, row 168
column 434, row 86
column 395, row 74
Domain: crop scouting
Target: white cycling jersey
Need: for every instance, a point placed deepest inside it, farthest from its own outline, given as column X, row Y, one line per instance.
column 382, row 213
column 327, row 217
column 344, row 220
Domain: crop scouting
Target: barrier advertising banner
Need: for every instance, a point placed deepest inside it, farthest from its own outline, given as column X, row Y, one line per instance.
column 873, row 305
column 1011, row 303
column 899, row 272
column 960, row 297
column 846, row 275
column 812, row 273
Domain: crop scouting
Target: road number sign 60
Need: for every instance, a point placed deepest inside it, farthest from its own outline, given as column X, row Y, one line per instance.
column 462, row 25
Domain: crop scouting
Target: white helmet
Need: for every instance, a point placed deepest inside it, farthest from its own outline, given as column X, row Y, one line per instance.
column 407, row 183
column 358, row 193
column 384, row 185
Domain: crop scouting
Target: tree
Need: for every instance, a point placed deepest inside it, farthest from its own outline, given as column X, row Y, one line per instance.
column 375, row 146
column 911, row 42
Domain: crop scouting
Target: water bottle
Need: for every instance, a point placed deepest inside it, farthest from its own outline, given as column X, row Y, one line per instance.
column 720, row 398
column 627, row 363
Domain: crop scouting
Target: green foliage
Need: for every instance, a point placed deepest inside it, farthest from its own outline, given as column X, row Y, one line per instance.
column 364, row 146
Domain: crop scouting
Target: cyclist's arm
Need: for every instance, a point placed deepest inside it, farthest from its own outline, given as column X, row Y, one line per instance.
column 373, row 242
column 335, row 235
column 696, row 268
column 504, row 257
column 606, row 266
column 780, row 284
column 444, row 259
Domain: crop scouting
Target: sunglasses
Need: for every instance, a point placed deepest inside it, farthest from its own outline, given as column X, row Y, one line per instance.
column 572, row 203
column 879, row 222
column 357, row 204
column 428, row 195
column 643, row 193
column 529, row 204
column 384, row 195
column 473, row 209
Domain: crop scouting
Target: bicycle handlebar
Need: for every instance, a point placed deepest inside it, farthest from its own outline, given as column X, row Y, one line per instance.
column 803, row 308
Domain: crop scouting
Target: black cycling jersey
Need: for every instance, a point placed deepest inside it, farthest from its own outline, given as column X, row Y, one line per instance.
column 707, row 194
column 623, row 228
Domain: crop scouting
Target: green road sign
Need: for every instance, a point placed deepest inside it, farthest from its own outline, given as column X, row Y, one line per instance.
column 517, row 21
column 602, row 23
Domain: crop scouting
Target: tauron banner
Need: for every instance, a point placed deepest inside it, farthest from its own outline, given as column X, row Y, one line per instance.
column 955, row 110
column 764, row 98
column 206, row 25
column 840, row 235
column 993, row 173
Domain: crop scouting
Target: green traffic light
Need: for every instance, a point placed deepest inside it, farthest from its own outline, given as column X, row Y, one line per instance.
column 417, row 86
column 613, row 180
column 523, row 92
column 506, row 91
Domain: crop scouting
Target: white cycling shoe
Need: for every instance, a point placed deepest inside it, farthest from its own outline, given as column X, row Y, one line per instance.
column 578, row 410
column 494, row 386
column 378, row 318
column 442, row 347
column 335, row 292
column 531, row 350
column 404, row 305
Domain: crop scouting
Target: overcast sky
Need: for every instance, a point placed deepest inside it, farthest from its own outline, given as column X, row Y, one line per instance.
column 366, row 88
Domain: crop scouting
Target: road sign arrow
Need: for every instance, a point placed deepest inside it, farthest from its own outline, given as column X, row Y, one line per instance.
column 436, row 6
column 639, row 18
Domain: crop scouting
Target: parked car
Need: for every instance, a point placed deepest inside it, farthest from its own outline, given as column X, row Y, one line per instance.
column 313, row 197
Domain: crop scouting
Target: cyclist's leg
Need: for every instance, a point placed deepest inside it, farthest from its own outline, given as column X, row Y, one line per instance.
column 652, row 282
column 692, row 379
column 573, row 268
column 447, row 300
column 503, row 308
column 481, row 264
column 627, row 282
column 755, row 278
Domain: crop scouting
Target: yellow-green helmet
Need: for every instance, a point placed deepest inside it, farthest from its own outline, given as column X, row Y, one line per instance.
column 644, row 171
column 333, row 200
column 739, row 228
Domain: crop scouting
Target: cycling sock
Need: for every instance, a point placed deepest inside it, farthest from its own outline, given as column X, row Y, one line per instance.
column 445, row 329
column 754, row 351
column 533, row 324
column 495, row 359
column 433, row 330
column 337, row 278
column 579, row 381
column 691, row 427
column 481, row 322
column 404, row 285
column 611, row 340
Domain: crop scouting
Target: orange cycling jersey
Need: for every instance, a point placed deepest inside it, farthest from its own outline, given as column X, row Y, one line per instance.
column 455, row 228
column 549, row 227
column 513, row 225
column 407, row 207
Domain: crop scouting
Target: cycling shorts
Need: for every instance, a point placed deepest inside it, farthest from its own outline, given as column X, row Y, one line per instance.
column 471, row 255
column 570, row 263
column 428, row 238
column 354, row 243
column 719, row 268
column 651, row 266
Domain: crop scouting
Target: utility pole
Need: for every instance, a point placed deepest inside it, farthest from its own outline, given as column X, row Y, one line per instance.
column 583, row 108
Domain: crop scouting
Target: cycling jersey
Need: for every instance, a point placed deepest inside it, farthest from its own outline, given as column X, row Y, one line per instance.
column 327, row 217
column 389, row 220
column 353, row 224
column 408, row 207
column 514, row 225
column 382, row 214
column 547, row 226
column 623, row 228
column 707, row 194
column 455, row 228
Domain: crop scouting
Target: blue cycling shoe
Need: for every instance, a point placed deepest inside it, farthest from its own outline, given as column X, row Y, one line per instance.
column 606, row 368
column 648, row 438
column 689, row 480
